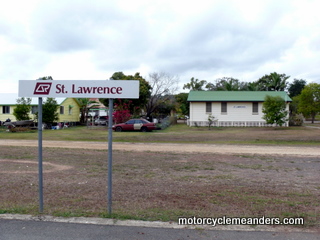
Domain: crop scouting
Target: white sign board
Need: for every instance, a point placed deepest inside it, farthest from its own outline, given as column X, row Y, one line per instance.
column 79, row 88
column 239, row 106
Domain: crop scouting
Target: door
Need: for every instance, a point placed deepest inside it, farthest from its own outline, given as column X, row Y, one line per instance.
column 128, row 126
column 137, row 125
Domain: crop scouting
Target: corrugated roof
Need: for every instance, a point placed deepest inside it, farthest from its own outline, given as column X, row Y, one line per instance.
column 234, row 96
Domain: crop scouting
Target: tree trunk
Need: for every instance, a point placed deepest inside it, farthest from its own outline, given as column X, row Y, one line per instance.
column 313, row 115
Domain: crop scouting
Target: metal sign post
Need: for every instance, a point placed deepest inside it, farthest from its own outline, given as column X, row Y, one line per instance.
column 127, row 89
column 110, row 119
column 40, row 155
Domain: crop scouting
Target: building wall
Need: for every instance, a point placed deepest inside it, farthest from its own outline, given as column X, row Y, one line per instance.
column 238, row 114
column 71, row 111
column 5, row 116
column 71, row 114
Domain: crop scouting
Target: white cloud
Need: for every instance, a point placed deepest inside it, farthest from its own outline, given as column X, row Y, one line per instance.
column 79, row 39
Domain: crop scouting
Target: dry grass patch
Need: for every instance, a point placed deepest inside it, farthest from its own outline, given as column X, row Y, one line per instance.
column 161, row 186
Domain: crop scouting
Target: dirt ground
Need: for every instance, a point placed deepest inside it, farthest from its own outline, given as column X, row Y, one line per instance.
column 174, row 147
column 163, row 181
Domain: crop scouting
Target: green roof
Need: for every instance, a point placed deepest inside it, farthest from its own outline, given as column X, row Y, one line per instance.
column 234, row 96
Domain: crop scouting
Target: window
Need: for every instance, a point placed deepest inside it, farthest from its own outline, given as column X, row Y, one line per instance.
column 6, row 109
column 61, row 109
column 34, row 109
column 255, row 108
column 223, row 107
column 208, row 107
column 130, row 121
column 70, row 110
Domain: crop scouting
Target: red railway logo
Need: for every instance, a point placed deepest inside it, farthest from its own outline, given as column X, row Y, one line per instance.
column 42, row 88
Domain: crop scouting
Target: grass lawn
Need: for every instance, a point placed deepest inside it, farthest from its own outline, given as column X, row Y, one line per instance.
column 181, row 133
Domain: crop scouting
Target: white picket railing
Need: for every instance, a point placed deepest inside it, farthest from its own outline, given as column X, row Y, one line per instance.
column 231, row 124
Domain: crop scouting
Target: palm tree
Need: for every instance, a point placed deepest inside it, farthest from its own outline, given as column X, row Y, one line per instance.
column 85, row 105
column 273, row 82
column 278, row 82
column 252, row 86
column 195, row 84
column 228, row 84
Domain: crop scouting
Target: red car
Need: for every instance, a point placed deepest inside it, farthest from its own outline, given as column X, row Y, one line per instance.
column 135, row 124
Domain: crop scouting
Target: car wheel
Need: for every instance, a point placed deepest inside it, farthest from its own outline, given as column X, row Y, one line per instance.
column 118, row 129
column 144, row 129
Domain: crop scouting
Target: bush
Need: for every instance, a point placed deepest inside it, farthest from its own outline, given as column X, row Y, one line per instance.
column 19, row 129
column 296, row 120
column 166, row 122
column 274, row 110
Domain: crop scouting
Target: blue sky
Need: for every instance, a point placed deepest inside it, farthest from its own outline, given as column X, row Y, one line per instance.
column 84, row 40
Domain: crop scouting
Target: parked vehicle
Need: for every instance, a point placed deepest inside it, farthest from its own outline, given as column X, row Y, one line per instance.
column 23, row 123
column 135, row 124
column 102, row 120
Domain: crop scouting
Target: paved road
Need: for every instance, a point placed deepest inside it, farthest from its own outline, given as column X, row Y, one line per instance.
column 38, row 230
column 174, row 147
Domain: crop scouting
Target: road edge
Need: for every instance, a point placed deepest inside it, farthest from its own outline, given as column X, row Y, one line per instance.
column 151, row 224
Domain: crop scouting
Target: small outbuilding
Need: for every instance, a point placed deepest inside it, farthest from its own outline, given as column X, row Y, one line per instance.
column 230, row 108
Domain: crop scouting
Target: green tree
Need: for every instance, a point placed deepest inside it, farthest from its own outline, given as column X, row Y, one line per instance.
column 144, row 89
column 227, row 84
column 231, row 84
column 195, row 85
column 23, row 108
column 144, row 92
column 45, row 78
column 251, row 86
column 274, row 109
column 294, row 105
column 296, row 118
column 166, row 106
column 50, row 111
column 183, row 105
column 273, row 82
column 296, row 87
column 309, row 101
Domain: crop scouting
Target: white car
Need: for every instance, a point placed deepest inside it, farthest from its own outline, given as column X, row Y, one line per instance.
column 103, row 120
